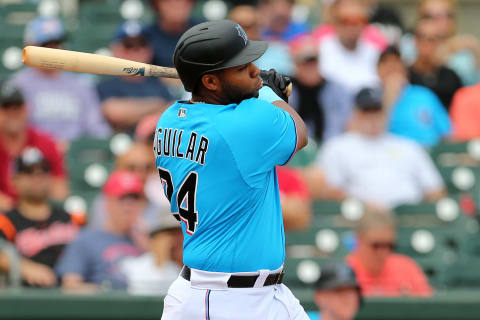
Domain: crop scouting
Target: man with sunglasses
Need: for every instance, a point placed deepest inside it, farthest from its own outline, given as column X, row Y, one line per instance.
column 16, row 135
column 126, row 100
column 93, row 259
column 38, row 231
column 349, row 49
column 59, row 103
column 380, row 271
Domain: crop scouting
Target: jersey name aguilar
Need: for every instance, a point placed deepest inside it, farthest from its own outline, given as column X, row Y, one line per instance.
column 168, row 143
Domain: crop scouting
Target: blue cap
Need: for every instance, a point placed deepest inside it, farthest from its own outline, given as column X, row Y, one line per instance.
column 42, row 30
column 129, row 29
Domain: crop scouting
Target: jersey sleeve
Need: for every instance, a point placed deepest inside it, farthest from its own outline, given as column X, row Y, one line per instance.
column 260, row 136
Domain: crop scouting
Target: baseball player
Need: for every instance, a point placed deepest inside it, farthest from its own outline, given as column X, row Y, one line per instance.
column 216, row 156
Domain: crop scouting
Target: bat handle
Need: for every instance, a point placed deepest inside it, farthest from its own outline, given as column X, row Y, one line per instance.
column 288, row 90
column 164, row 72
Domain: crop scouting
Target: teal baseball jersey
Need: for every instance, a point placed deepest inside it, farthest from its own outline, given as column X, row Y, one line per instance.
column 217, row 166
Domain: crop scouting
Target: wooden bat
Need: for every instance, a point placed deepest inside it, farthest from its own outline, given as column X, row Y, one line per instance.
column 59, row 59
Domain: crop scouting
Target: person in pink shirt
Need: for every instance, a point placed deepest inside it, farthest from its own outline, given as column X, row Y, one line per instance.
column 380, row 271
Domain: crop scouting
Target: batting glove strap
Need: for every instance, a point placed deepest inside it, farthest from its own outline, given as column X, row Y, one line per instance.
column 276, row 81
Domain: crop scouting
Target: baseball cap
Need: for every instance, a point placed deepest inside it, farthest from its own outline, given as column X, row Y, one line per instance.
column 30, row 159
column 129, row 29
column 213, row 46
column 304, row 48
column 121, row 183
column 10, row 94
column 369, row 99
column 42, row 30
column 164, row 222
column 335, row 276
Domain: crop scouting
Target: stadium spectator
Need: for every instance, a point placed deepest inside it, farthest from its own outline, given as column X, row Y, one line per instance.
column 137, row 159
column 145, row 130
column 337, row 293
column 173, row 18
column 277, row 55
column 427, row 70
column 126, row 100
column 59, row 103
column 295, row 199
column 349, row 48
column 277, row 20
column 380, row 271
column 38, row 231
column 324, row 105
column 153, row 272
column 15, row 136
column 415, row 111
column 386, row 18
column 461, row 52
column 465, row 113
column 93, row 259
column 378, row 168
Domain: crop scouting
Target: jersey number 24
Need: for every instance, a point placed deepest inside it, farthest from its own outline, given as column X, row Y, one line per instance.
column 186, row 198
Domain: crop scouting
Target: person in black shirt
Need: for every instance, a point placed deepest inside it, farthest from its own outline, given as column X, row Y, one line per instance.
column 38, row 231
column 426, row 70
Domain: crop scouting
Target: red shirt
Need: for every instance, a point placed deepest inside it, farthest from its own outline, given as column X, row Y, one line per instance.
column 42, row 142
column 290, row 182
column 465, row 113
column 401, row 276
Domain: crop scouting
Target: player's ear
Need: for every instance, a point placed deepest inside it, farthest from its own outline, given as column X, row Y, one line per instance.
column 211, row 82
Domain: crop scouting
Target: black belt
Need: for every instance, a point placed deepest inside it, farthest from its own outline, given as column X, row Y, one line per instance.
column 241, row 281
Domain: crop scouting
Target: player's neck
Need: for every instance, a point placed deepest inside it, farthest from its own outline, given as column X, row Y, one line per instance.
column 211, row 99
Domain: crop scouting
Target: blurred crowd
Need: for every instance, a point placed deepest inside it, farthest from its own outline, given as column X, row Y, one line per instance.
column 375, row 94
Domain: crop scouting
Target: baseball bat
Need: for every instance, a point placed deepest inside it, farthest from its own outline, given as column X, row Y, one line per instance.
column 59, row 59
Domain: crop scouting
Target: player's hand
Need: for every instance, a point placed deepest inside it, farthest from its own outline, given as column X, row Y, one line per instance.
column 37, row 274
column 276, row 81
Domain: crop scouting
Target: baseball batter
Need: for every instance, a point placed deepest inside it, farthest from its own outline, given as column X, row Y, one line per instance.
column 216, row 156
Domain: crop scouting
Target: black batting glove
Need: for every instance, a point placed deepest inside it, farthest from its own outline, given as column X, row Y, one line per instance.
column 278, row 82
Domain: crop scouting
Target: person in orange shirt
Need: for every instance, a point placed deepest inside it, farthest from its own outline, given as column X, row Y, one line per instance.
column 465, row 113
column 380, row 271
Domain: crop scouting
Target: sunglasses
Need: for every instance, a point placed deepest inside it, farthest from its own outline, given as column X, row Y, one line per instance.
column 131, row 196
column 435, row 16
column 12, row 105
column 353, row 21
column 134, row 43
column 383, row 245
column 423, row 37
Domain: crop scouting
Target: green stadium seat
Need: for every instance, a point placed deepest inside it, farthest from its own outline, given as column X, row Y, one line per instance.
column 320, row 241
column 303, row 272
column 89, row 161
column 464, row 274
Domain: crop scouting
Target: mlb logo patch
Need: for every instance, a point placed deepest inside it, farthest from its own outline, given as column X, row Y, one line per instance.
column 182, row 113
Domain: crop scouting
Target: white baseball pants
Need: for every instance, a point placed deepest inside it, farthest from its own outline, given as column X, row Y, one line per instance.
column 207, row 297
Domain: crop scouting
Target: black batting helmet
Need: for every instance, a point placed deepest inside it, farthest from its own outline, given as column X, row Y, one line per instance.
column 212, row 46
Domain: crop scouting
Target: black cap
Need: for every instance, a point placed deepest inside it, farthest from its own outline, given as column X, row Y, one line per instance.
column 212, row 46
column 335, row 276
column 369, row 99
column 10, row 94
column 29, row 159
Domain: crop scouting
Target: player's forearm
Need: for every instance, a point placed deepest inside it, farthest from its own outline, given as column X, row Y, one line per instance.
column 302, row 137
column 127, row 112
